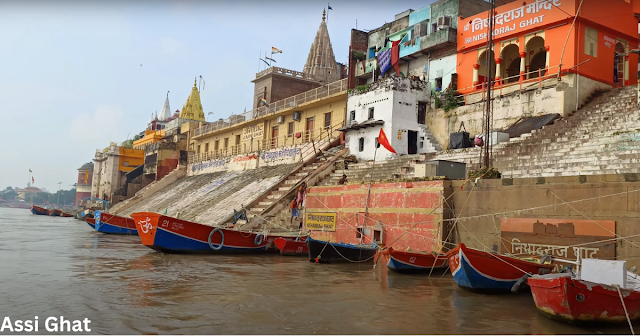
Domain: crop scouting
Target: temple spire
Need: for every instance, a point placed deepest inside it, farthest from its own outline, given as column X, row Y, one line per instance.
column 192, row 109
column 321, row 62
column 165, row 113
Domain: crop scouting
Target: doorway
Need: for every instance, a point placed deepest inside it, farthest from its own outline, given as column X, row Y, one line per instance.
column 274, row 137
column 618, row 64
column 422, row 113
column 413, row 142
column 309, row 135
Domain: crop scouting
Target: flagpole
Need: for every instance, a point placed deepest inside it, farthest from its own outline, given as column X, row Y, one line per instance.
column 366, row 206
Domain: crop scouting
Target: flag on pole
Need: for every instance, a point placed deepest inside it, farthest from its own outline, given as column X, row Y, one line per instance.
column 32, row 180
column 264, row 101
column 265, row 62
column 329, row 7
column 271, row 59
column 275, row 51
column 210, row 113
column 30, row 171
column 382, row 139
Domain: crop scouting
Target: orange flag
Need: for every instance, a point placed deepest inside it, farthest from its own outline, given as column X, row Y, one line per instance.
column 382, row 139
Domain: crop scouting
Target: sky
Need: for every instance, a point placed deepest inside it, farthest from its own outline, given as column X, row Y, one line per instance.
column 77, row 75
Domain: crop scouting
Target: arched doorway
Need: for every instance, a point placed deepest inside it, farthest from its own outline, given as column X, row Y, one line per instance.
column 537, row 56
column 511, row 61
column 618, row 64
column 484, row 63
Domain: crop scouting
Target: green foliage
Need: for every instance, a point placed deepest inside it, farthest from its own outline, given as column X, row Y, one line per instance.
column 450, row 100
column 485, row 173
column 363, row 88
column 359, row 56
column 8, row 194
column 438, row 102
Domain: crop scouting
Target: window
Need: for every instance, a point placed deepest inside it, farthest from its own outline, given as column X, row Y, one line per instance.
column 591, row 42
column 371, row 113
column 422, row 113
column 434, row 27
column 359, row 233
column 361, row 144
column 226, row 142
column 206, row 147
column 198, row 149
column 353, row 116
column 216, row 145
column 372, row 52
column 237, row 139
column 438, row 84
column 290, row 130
column 327, row 120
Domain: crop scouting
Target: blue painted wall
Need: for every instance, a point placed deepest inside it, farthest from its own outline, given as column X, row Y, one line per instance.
column 419, row 15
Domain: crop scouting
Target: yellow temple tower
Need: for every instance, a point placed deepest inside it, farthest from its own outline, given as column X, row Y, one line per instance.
column 192, row 109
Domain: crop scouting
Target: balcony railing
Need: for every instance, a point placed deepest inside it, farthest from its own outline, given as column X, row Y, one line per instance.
column 283, row 71
column 314, row 135
column 291, row 102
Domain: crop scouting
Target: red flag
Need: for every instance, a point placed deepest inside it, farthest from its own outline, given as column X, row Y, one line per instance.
column 32, row 180
column 382, row 139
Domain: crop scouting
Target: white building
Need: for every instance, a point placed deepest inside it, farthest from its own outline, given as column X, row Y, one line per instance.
column 399, row 106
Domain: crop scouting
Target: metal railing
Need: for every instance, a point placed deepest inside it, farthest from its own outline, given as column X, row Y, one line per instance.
column 308, row 137
column 291, row 102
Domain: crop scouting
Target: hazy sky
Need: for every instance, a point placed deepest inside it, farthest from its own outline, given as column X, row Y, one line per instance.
column 71, row 78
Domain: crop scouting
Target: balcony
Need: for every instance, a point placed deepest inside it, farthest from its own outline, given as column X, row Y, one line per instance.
column 283, row 71
column 368, row 66
column 441, row 38
column 287, row 103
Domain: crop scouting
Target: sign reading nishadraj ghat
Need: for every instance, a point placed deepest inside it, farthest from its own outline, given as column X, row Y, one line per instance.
column 253, row 132
column 318, row 221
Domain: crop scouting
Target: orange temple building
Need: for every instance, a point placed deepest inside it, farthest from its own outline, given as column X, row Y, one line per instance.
column 529, row 38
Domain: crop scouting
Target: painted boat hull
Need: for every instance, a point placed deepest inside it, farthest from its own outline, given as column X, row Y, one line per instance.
column 55, row 212
column 36, row 210
column 91, row 221
column 172, row 235
column 290, row 247
column 582, row 302
column 482, row 271
column 414, row 262
column 326, row 252
column 112, row 224
column 64, row 214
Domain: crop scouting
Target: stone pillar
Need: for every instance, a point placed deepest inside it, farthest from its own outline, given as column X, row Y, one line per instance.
column 476, row 80
column 546, row 65
column 626, row 70
column 522, row 65
column 498, row 71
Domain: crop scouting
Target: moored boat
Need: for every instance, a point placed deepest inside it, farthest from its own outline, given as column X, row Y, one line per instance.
column 108, row 223
column 172, row 235
column 55, row 212
column 406, row 261
column 327, row 252
column 289, row 247
column 91, row 221
column 36, row 210
column 478, row 270
column 571, row 298
column 64, row 214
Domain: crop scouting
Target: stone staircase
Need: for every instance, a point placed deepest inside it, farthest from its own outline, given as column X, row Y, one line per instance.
column 430, row 142
column 397, row 168
column 602, row 137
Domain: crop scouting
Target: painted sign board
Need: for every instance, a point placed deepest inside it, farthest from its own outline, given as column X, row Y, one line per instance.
column 321, row 221
column 255, row 132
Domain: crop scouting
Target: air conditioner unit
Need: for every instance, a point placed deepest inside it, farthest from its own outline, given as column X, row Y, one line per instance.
column 444, row 22
column 281, row 120
column 296, row 116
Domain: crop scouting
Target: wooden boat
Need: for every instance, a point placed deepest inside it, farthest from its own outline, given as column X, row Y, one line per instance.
column 55, row 212
column 405, row 261
column 290, row 247
column 108, row 223
column 91, row 221
column 478, row 270
column 36, row 210
column 64, row 214
column 172, row 235
column 326, row 252
column 567, row 297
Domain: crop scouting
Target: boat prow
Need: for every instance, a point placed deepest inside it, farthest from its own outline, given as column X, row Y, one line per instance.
column 113, row 224
column 292, row 247
column 91, row 221
column 414, row 262
column 36, row 210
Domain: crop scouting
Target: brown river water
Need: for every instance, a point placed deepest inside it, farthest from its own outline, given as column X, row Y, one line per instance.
column 53, row 266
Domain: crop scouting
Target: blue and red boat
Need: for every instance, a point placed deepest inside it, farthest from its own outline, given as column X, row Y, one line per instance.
column 91, row 221
column 484, row 271
column 55, row 212
column 36, row 210
column 108, row 223
column 172, row 235
column 409, row 262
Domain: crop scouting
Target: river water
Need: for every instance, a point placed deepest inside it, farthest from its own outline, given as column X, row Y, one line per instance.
column 53, row 266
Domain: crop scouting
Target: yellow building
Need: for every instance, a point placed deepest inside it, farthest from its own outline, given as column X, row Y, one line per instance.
column 129, row 159
column 306, row 117
column 150, row 137
column 192, row 109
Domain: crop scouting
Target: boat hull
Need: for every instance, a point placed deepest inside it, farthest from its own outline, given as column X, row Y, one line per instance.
column 414, row 262
column 55, row 212
column 36, row 210
column 64, row 214
column 583, row 302
column 327, row 252
column 482, row 271
column 112, row 224
column 91, row 221
column 290, row 247
column 173, row 235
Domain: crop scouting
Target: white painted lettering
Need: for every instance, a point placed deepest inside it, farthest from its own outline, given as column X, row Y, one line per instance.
column 6, row 323
column 51, row 327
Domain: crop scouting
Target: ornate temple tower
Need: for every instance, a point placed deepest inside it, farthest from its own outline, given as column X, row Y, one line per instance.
column 321, row 62
column 165, row 113
column 192, row 109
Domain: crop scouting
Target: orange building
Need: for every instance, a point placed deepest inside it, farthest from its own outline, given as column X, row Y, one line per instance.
column 529, row 38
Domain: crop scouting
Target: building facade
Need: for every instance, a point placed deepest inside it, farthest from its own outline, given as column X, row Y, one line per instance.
column 530, row 37
column 83, row 185
column 110, row 167
column 398, row 106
